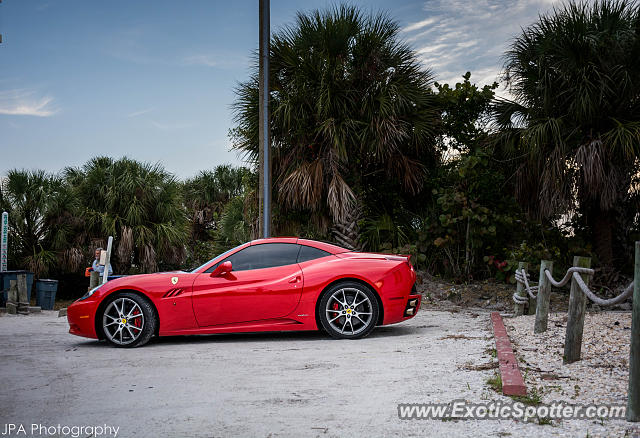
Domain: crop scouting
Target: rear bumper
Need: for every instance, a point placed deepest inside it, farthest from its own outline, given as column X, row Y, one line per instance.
column 396, row 310
column 81, row 318
column 413, row 304
column 400, row 298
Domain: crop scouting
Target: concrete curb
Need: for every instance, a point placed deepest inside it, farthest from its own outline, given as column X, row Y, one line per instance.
column 512, row 382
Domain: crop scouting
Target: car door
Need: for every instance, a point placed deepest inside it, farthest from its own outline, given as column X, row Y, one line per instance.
column 265, row 283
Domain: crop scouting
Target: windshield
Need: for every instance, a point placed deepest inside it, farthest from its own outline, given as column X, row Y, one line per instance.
column 221, row 255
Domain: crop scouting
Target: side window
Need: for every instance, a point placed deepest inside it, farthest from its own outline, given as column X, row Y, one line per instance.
column 266, row 255
column 309, row 253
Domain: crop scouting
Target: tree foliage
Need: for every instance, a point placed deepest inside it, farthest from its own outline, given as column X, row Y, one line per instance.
column 139, row 204
column 575, row 78
column 351, row 106
column 44, row 229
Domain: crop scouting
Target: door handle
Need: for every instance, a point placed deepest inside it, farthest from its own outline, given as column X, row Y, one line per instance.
column 295, row 279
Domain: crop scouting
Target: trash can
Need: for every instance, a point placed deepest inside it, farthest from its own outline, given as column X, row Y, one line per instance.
column 2, row 299
column 46, row 293
column 7, row 276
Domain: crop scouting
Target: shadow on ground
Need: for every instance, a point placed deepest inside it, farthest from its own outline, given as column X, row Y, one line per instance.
column 262, row 337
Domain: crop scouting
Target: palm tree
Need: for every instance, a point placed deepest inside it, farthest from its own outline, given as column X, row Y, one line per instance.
column 575, row 79
column 45, row 230
column 139, row 204
column 206, row 195
column 351, row 106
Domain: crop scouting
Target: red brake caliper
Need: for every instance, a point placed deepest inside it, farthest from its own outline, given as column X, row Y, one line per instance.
column 136, row 321
column 336, row 307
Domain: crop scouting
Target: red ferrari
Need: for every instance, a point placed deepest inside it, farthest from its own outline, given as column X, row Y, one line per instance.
column 265, row 285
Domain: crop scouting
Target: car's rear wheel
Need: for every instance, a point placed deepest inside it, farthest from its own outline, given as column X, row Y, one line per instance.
column 128, row 320
column 348, row 310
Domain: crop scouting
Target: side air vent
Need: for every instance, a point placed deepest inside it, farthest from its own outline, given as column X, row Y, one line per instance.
column 173, row 292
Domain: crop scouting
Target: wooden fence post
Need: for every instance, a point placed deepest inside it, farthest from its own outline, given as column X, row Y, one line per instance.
column 22, row 289
column 12, row 297
column 575, row 321
column 633, row 402
column 518, row 309
column 544, row 294
column 532, row 305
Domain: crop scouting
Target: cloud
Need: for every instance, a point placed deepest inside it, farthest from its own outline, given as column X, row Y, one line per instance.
column 23, row 102
column 456, row 36
column 419, row 25
column 141, row 112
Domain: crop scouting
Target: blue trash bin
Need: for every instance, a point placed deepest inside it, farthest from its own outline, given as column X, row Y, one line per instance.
column 46, row 293
column 7, row 276
column 2, row 300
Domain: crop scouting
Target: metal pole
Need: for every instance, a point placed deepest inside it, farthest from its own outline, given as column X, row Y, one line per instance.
column 107, row 263
column 264, row 137
column 633, row 401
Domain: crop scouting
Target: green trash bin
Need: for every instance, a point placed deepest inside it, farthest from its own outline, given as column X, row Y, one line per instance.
column 46, row 293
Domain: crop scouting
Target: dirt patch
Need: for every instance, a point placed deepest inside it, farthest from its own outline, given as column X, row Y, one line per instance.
column 461, row 337
column 482, row 367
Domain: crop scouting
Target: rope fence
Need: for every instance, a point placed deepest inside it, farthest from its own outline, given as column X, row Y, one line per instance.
column 572, row 273
column 538, row 294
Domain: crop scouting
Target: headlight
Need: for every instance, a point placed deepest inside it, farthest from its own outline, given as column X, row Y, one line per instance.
column 88, row 294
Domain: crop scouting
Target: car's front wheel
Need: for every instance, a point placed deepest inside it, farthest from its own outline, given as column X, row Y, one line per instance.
column 128, row 320
column 348, row 310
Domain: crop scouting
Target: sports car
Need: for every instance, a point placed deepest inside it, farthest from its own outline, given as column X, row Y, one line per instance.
column 272, row 284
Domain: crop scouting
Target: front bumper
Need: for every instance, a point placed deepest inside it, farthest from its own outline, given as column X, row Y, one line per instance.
column 81, row 318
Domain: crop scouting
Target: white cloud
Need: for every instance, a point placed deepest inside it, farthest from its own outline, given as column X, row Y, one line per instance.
column 419, row 25
column 23, row 102
column 431, row 49
column 140, row 112
column 457, row 36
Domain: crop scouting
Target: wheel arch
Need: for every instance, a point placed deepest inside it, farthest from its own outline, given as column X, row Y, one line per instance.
column 355, row 280
column 107, row 299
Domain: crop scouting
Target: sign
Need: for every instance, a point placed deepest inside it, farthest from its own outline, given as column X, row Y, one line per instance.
column 4, row 241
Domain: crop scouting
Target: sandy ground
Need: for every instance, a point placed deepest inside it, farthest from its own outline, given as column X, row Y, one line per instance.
column 259, row 385
column 602, row 374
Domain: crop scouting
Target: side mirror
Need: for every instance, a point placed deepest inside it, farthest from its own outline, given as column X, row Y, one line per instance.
column 222, row 269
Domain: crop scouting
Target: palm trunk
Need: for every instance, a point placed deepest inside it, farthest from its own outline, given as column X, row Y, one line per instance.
column 602, row 224
column 346, row 233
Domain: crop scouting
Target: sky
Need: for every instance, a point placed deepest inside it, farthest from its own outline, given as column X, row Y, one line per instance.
column 154, row 80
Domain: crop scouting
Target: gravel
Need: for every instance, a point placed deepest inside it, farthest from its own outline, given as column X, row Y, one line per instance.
column 600, row 377
column 267, row 384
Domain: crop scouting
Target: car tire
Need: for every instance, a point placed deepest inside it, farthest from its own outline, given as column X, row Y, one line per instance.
column 128, row 320
column 348, row 310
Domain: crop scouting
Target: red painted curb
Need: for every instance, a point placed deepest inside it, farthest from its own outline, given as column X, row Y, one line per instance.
column 512, row 382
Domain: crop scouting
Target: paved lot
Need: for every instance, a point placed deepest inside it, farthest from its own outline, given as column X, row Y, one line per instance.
column 260, row 385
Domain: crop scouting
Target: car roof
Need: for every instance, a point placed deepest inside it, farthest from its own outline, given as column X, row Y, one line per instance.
column 328, row 247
